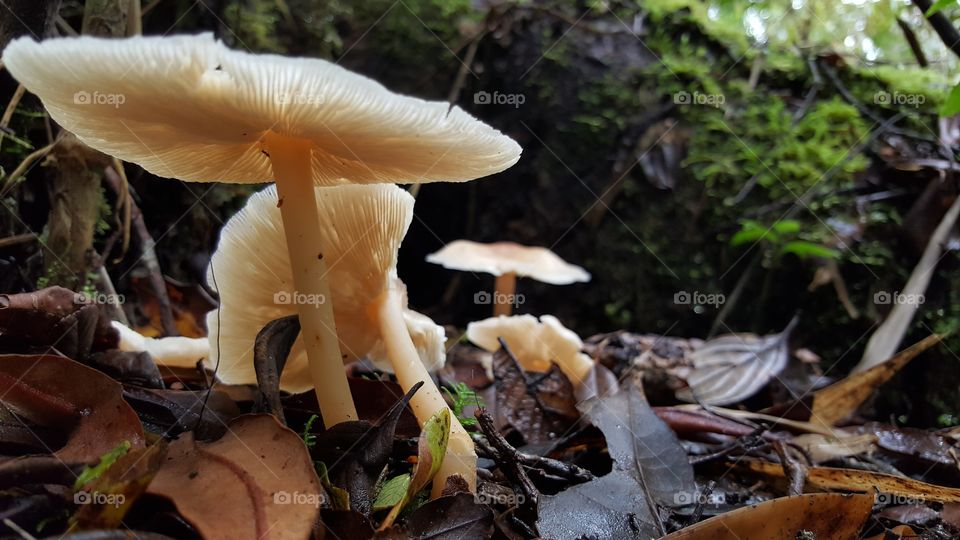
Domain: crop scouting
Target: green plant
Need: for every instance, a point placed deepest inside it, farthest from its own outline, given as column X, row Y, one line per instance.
column 461, row 397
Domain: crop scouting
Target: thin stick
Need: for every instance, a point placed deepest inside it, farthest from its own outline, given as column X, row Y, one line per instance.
column 148, row 255
column 17, row 239
column 123, row 202
column 12, row 178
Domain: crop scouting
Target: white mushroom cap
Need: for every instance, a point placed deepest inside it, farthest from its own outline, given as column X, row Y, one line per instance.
column 175, row 351
column 361, row 228
column 534, row 343
column 501, row 258
column 190, row 108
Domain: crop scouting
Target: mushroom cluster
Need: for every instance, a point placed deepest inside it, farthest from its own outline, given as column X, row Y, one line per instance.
column 187, row 107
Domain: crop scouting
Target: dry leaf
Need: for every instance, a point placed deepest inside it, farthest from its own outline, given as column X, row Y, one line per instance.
column 257, row 482
column 825, row 515
column 892, row 488
column 731, row 368
column 841, row 399
column 58, row 393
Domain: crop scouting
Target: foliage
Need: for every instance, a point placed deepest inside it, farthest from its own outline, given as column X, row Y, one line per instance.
column 461, row 397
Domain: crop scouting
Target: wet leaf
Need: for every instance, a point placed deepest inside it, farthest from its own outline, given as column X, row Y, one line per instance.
column 128, row 366
column 641, row 444
column 731, row 368
column 649, row 468
column 270, row 352
column 454, row 517
column 257, row 482
column 840, row 400
column 172, row 412
column 816, row 515
column 63, row 395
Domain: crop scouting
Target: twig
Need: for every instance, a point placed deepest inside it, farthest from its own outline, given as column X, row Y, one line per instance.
column 12, row 178
column 17, row 239
column 565, row 470
column 134, row 19
column 64, row 26
column 12, row 106
column 914, row 43
column 107, row 285
column 941, row 25
column 148, row 255
column 124, row 202
column 149, row 7
column 792, row 469
column 509, row 460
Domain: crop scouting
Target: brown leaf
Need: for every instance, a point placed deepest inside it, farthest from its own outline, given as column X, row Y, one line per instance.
column 825, row 515
column 257, row 482
column 106, row 500
column 189, row 304
column 53, row 318
column 56, row 392
column 891, row 487
column 840, row 400
column 900, row 532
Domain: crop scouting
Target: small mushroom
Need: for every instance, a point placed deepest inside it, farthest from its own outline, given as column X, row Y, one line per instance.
column 534, row 343
column 507, row 260
column 175, row 351
column 188, row 107
column 362, row 227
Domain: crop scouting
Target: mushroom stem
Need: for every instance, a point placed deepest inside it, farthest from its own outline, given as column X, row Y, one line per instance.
column 461, row 457
column 505, row 288
column 290, row 159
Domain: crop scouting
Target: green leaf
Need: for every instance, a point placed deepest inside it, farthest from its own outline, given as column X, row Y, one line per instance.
column 809, row 249
column 951, row 105
column 787, row 226
column 430, row 451
column 751, row 231
column 938, row 6
column 391, row 492
column 308, row 437
column 90, row 474
column 339, row 498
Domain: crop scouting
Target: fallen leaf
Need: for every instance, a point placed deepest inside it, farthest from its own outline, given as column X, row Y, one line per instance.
column 391, row 492
column 356, row 453
column 270, row 351
column 820, row 448
column 843, row 398
column 731, row 368
column 128, row 366
column 815, row 515
column 649, row 468
column 105, row 501
column 58, row 393
column 892, row 488
column 257, row 482
column 641, row 444
column 538, row 406
column 172, row 412
column 454, row 517
column 189, row 305
column 430, row 451
column 900, row 532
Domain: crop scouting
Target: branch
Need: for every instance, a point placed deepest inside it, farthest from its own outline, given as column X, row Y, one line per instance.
column 942, row 25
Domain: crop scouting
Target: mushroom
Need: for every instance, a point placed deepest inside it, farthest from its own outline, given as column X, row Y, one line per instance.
column 362, row 227
column 176, row 351
column 188, row 107
column 534, row 343
column 507, row 260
